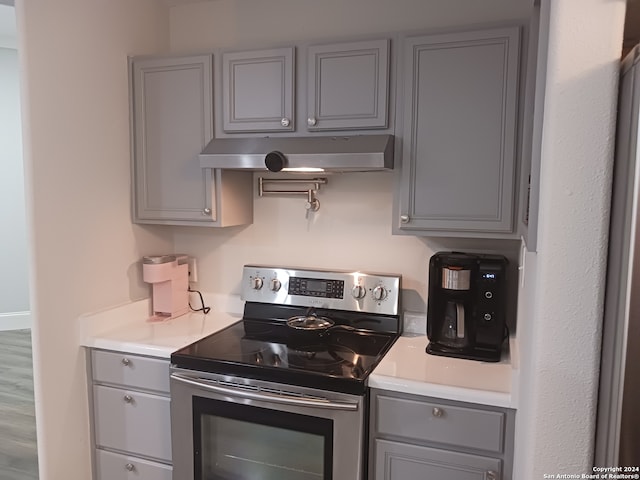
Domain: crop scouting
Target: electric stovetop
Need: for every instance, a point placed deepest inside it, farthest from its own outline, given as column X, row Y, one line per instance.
column 262, row 346
column 364, row 308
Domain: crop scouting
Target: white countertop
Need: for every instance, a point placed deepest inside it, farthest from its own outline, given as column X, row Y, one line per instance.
column 126, row 328
column 407, row 368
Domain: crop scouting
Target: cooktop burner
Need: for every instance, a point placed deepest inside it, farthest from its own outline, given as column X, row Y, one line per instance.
column 262, row 345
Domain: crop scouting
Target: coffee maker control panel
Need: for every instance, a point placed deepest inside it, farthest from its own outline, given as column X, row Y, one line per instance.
column 490, row 284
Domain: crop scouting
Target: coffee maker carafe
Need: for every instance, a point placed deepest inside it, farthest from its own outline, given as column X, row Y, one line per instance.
column 466, row 305
column 454, row 332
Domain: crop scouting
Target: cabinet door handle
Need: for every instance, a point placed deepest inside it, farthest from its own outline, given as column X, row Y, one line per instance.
column 130, row 467
column 285, row 122
column 404, row 218
column 312, row 121
column 437, row 412
column 128, row 399
column 126, row 362
column 206, row 211
column 491, row 475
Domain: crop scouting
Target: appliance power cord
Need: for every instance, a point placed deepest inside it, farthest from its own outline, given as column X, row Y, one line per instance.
column 204, row 308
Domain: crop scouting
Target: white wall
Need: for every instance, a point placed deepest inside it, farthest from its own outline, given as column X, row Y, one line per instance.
column 14, row 281
column 564, row 281
column 8, row 32
column 84, row 247
column 352, row 230
column 247, row 23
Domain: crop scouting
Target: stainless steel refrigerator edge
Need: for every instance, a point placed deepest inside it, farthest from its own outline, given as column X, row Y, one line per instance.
column 618, row 424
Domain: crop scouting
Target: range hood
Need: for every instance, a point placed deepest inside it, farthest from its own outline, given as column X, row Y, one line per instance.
column 359, row 153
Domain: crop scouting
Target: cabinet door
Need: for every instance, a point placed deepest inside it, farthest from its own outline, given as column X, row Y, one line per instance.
column 348, row 85
column 399, row 461
column 257, row 91
column 172, row 122
column 459, row 148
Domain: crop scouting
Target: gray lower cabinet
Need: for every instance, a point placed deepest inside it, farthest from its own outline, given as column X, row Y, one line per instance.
column 130, row 416
column 172, row 121
column 348, row 85
column 400, row 461
column 413, row 436
column 459, row 162
column 258, row 90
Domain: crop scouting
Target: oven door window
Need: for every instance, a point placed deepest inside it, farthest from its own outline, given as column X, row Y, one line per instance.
column 243, row 442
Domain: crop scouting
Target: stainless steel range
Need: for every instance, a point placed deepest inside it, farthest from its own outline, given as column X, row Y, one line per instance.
column 282, row 394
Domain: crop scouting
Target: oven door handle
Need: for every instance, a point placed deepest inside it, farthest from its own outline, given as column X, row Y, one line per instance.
column 264, row 396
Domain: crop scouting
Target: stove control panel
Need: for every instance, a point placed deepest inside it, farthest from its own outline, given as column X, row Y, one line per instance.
column 338, row 290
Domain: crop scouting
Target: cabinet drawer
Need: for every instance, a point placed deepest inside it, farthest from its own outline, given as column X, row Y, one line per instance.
column 130, row 370
column 133, row 422
column 441, row 423
column 113, row 466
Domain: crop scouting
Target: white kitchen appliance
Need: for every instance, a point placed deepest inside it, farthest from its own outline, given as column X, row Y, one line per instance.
column 169, row 276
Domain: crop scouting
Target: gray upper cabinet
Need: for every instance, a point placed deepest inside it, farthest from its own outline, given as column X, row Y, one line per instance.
column 348, row 85
column 460, row 105
column 258, row 91
column 172, row 121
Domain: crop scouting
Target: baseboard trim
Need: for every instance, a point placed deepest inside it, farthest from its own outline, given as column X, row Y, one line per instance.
column 15, row 320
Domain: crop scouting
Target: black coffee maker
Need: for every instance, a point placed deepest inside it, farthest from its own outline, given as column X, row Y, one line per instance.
column 466, row 305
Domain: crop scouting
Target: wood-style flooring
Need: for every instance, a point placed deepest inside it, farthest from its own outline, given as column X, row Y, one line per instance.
column 18, row 455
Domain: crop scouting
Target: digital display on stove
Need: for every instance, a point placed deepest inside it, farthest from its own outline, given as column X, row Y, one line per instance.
column 316, row 285
column 313, row 287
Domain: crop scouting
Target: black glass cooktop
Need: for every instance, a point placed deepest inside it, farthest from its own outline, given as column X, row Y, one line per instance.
column 338, row 359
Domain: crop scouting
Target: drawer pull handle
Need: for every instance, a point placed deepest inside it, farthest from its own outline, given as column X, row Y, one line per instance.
column 491, row 475
column 128, row 399
column 437, row 412
column 130, row 467
column 126, row 362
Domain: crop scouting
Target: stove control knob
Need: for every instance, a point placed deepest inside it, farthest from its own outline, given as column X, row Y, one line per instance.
column 380, row 293
column 275, row 284
column 256, row 283
column 358, row 291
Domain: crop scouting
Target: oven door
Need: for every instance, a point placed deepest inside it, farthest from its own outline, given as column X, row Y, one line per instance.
column 229, row 428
